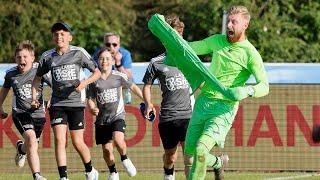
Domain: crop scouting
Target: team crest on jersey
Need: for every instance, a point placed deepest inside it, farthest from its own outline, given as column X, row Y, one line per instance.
column 65, row 72
column 108, row 96
column 177, row 82
column 24, row 92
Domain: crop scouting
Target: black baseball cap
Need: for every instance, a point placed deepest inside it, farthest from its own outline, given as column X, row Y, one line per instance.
column 60, row 26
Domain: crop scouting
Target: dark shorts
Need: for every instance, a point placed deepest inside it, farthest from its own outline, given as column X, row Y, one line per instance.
column 104, row 132
column 173, row 132
column 73, row 116
column 24, row 122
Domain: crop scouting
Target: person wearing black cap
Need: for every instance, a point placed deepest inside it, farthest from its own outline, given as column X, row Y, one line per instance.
column 66, row 63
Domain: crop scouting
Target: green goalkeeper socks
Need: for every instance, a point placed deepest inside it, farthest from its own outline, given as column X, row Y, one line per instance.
column 217, row 164
column 199, row 167
column 203, row 159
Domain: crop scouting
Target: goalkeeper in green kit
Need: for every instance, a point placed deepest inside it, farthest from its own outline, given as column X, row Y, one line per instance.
column 234, row 59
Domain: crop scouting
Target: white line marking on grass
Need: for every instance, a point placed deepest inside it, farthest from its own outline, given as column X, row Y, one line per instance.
column 293, row 177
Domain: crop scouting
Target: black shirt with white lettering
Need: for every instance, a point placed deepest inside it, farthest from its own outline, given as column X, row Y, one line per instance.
column 176, row 103
column 66, row 71
column 22, row 95
column 108, row 95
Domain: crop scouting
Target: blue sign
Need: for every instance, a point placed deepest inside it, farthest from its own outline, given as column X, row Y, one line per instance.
column 278, row 73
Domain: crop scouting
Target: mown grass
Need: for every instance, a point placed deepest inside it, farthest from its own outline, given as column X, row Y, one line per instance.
column 179, row 176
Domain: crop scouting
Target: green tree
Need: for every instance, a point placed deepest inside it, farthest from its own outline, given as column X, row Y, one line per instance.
column 24, row 19
column 282, row 31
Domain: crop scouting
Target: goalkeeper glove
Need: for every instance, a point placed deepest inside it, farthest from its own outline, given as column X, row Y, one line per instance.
column 239, row 93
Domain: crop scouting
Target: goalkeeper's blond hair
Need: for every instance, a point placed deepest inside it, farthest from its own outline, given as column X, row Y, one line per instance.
column 240, row 10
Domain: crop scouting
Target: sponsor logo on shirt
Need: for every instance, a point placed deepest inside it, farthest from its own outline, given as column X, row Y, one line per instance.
column 177, row 82
column 24, row 92
column 56, row 121
column 27, row 126
column 108, row 96
column 65, row 72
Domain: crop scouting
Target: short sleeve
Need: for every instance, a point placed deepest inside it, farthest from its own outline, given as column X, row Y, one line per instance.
column 126, row 58
column 7, row 81
column 150, row 74
column 43, row 67
column 125, row 81
column 87, row 61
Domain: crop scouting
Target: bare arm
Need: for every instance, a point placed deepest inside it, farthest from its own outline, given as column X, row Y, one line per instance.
column 3, row 95
column 136, row 90
column 35, row 85
column 94, row 76
column 92, row 106
column 146, row 91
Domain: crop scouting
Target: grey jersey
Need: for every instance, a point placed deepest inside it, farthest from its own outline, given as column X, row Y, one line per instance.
column 22, row 95
column 108, row 95
column 176, row 103
column 65, row 70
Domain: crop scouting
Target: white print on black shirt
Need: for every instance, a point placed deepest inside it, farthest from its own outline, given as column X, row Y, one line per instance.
column 24, row 92
column 65, row 72
column 108, row 96
column 177, row 82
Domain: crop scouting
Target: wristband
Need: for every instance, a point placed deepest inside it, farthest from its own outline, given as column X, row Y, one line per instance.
column 250, row 91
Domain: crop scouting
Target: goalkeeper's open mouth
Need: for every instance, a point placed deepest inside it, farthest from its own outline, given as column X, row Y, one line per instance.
column 230, row 33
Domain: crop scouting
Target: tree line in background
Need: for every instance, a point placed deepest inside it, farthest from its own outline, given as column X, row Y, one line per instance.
column 282, row 31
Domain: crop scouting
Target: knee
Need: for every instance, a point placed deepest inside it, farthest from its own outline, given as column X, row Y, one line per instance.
column 120, row 144
column 60, row 140
column 30, row 140
column 107, row 151
column 31, row 144
column 77, row 141
column 201, row 152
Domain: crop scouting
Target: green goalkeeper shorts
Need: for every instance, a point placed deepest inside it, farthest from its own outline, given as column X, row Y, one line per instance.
column 212, row 117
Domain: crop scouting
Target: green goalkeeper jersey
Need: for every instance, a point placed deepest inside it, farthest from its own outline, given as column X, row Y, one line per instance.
column 232, row 64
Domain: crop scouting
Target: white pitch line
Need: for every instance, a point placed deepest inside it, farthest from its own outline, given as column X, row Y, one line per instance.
column 293, row 177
